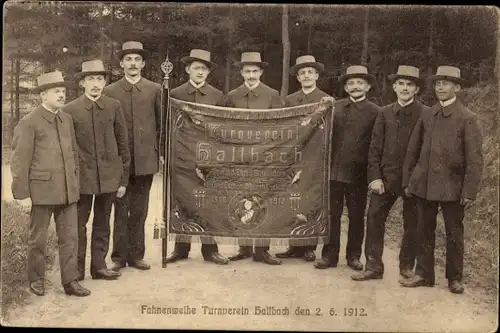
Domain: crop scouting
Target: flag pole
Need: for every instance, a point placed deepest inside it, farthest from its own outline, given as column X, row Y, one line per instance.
column 166, row 68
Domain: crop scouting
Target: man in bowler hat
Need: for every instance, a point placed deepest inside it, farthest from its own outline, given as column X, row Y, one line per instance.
column 443, row 168
column 101, row 134
column 141, row 102
column 390, row 137
column 45, row 173
column 253, row 94
column 198, row 66
column 354, row 118
column 307, row 71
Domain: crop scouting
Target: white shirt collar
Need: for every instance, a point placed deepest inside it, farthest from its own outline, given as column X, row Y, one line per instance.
column 133, row 81
column 197, row 86
column 358, row 100
column 251, row 88
column 93, row 99
column 308, row 90
column 48, row 109
column 448, row 102
column 401, row 103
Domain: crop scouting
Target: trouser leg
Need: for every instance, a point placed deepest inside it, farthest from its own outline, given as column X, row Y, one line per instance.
column 427, row 213
column 100, row 230
column 380, row 206
column 453, row 214
column 66, row 219
column 39, row 224
column 356, row 197
column 84, row 206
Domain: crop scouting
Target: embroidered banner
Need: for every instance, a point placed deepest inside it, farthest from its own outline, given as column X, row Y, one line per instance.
column 249, row 176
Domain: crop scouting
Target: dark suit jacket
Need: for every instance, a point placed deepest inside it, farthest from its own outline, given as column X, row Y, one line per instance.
column 390, row 137
column 262, row 97
column 444, row 161
column 207, row 94
column 352, row 132
column 141, row 104
column 44, row 161
column 300, row 98
column 101, row 134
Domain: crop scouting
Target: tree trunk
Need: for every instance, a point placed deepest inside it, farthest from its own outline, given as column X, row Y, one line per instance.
column 210, row 35
column 18, row 70
column 230, row 31
column 364, row 52
column 102, row 40
column 310, row 32
column 430, row 49
column 286, row 52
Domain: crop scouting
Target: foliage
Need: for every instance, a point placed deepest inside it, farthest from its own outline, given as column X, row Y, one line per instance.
column 15, row 230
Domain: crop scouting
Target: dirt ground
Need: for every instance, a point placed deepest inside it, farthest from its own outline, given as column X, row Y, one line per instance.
column 336, row 303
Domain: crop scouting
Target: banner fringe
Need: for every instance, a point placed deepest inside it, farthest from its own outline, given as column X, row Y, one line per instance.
column 248, row 241
column 248, row 114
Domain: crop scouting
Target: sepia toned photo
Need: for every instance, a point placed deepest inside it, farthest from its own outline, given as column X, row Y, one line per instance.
column 250, row 167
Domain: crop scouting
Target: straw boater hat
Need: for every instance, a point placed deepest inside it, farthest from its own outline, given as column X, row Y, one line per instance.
column 306, row 61
column 449, row 73
column 357, row 71
column 199, row 55
column 50, row 80
column 132, row 47
column 408, row 72
column 250, row 58
column 92, row 67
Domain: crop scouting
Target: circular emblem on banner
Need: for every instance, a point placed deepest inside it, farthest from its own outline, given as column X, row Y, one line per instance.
column 247, row 211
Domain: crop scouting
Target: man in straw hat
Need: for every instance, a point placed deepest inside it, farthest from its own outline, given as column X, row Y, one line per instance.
column 443, row 168
column 141, row 102
column 101, row 134
column 307, row 71
column 388, row 146
column 253, row 94
column 198, row 66
column 354, row 118
column 44, row 168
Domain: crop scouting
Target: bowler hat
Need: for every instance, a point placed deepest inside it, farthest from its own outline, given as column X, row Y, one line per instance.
column 449, row 73
column 358, row 71
column 132, row 47
column 92, row 67
column 407, row 72
column 198, row 55
column 50, row 80
column 250, row 58
column 306, row 61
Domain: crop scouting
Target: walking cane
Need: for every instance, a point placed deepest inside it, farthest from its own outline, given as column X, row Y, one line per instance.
column 161, row 231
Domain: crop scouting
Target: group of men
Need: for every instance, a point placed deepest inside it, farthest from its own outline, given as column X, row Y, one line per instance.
column 431, row 157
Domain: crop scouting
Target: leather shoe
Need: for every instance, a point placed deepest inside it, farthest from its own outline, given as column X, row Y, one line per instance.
column 367, row 275
column 81, row 276
column 324, row 263
column 106, row 274
column 291, row 252
column 355, row 264
column 243, row 253
column 406, row 273
column 309, row 255
column 176, row 256
column 117, row 266
column 266, row 258
column 38, row 287
column 74, row 288
column 456, row 287
column 140, row 264
column 216, row 258
column 416, row 281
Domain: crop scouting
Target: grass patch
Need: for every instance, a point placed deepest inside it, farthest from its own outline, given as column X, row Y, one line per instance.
column 15, row 230
column 481, row 219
